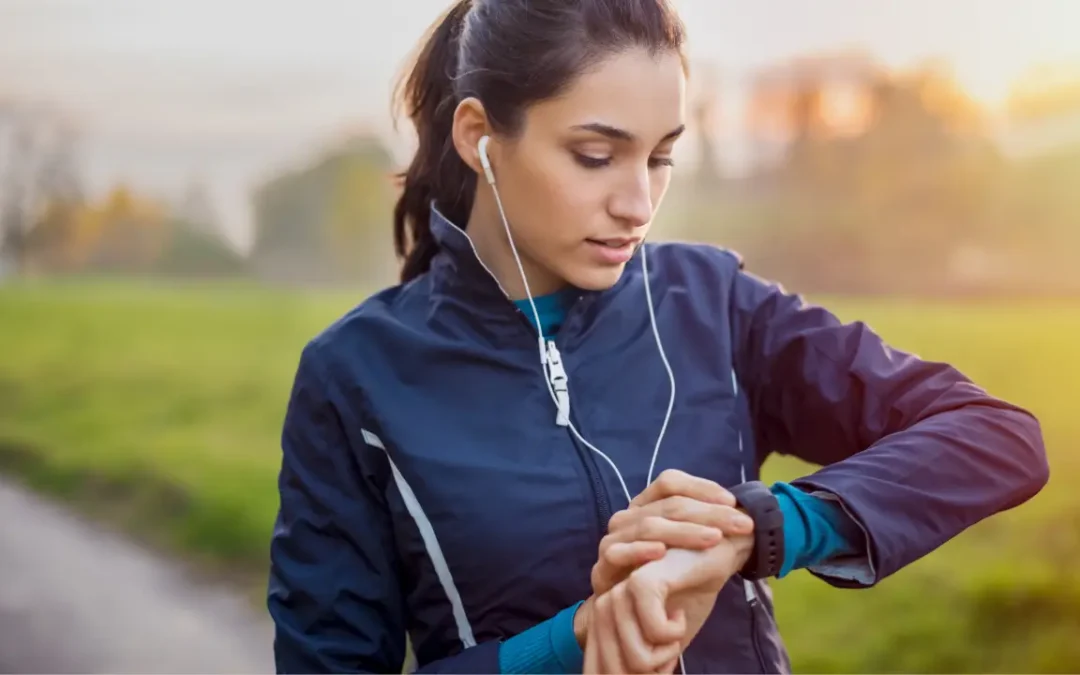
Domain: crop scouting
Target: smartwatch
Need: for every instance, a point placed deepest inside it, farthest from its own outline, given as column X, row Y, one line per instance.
column 767, row 557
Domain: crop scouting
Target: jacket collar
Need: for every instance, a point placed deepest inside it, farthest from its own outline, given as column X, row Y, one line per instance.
column 457, row 266
column 459, row 274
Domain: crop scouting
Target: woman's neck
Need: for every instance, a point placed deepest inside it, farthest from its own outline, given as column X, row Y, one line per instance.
column 485, row 229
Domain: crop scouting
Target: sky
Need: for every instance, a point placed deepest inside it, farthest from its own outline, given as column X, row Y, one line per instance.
column 229, row 92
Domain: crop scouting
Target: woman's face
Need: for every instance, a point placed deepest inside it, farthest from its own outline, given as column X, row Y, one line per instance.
column 581, row 181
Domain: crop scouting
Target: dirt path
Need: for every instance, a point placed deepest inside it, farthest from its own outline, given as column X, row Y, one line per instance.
column 77, row 598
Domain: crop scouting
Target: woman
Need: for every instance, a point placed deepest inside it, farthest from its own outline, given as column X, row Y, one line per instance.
column 462, row 451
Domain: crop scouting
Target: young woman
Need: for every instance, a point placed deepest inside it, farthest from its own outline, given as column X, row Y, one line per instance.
column 532, row 455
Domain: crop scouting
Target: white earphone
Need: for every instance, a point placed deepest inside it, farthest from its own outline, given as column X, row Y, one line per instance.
column 485, row 162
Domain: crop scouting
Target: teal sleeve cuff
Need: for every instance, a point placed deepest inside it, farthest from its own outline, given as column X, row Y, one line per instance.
column 564, row 643
column 549, row 647
column 815, row 530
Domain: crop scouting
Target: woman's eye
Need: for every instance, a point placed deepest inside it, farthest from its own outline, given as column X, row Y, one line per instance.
column 590, row 162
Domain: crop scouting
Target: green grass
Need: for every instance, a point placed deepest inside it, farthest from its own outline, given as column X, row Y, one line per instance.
column 160, row 407
column 168, row 396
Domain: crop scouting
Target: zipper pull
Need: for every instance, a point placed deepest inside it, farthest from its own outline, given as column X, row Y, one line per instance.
column 751, row 594
column 559, row 380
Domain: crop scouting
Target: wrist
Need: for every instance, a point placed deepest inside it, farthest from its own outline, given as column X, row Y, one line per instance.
column 744, row 548
column 581, row 621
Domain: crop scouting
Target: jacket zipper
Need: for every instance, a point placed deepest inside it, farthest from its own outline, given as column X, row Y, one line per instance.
column 749, row 588
column 603, row 504
column 588, row 460
column 753, row 602
column 585, row 455
column 592, row 469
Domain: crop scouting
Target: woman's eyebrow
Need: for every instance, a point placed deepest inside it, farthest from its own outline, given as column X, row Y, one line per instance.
column 617, row 134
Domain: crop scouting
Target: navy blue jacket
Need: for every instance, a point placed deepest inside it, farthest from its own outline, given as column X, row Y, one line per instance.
column 426, row 489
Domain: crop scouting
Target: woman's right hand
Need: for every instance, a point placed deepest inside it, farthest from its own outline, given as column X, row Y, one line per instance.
column 676, row 594
column 676, row 511
column 644, row 622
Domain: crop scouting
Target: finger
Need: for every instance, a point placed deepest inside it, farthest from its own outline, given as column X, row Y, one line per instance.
column 676, row 534
column 638, row 655
column 619, row 532
column 668, row 656
column 649, row 596
column 592, row 640
column 620, row 519
column 727, row 519
column 673, row 483
column 632, row 554
column 607, row 637
column 592, row 657
column 620, row 559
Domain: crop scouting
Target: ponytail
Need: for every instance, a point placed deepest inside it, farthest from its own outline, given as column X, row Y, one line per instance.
column 436, row 172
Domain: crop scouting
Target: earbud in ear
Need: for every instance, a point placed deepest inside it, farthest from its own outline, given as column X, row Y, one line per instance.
column 481, row 147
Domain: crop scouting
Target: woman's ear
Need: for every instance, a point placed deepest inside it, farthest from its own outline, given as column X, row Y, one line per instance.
column 470, row 125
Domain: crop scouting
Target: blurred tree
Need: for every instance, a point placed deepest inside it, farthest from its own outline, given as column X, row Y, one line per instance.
column 193, row 253
column 358, row 220
column 53, row 231
column 945, row 100
column 51, row 243
column 196, row 246
column 706, row 116
column 124, row 233
column 329, row 222
column 37, row 165
column 813, row 98
column 887, row 178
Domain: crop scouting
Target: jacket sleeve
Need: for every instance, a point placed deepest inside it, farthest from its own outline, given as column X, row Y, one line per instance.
column 334, row 591
column 912, row 449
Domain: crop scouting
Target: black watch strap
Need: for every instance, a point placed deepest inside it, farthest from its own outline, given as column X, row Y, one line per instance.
column 761, row 504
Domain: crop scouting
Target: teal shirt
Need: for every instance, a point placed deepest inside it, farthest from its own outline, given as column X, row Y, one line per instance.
column 552, row 309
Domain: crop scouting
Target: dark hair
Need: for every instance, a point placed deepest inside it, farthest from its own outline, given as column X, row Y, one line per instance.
column 508, row 54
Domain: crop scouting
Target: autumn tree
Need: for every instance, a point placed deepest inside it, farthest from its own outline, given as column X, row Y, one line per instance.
column 125, row 232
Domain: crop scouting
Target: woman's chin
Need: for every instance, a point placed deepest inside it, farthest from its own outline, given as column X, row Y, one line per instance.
column 597, row 278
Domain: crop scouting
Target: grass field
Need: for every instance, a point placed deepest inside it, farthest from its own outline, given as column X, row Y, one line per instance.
column 159, row 407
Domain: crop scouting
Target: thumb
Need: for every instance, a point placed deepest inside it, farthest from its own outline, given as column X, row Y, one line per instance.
column 649, row 594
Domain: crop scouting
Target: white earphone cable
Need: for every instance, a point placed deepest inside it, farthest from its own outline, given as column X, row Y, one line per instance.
column 545, row 361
